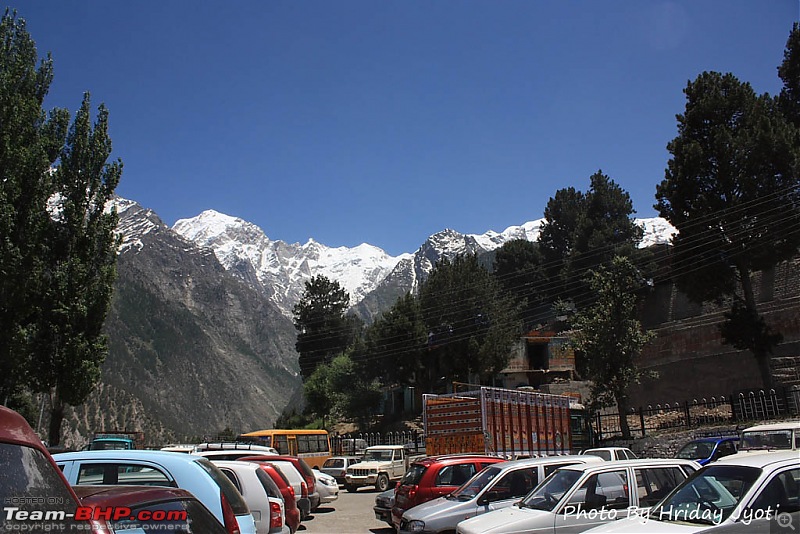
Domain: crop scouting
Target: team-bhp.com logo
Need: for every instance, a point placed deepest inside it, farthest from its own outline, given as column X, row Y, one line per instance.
column 17, row 519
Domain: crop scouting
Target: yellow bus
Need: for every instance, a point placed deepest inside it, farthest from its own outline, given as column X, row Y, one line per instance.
column 313, row 446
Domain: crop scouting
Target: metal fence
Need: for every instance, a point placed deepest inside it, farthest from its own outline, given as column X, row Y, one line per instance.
column 742, row 406
column 356, row 442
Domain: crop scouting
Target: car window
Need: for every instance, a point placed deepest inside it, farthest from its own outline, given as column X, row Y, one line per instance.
column 121, row 473
column 232, row 477
column 550, row 468
column 28, row 479
column 454, row 475
column 726, row 448
column 413, row 475
column 630, row 455
column 228, row 489
column 653, row 483
column 514, row 484
column 781, row 494
column 268, row 484
column 605, row 455
column 603, row 490
column 333, row 463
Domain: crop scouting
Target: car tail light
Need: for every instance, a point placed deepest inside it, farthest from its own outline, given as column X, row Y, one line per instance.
column 412, row 493
column 231, row 524
column 303, row 489
column 275, row 516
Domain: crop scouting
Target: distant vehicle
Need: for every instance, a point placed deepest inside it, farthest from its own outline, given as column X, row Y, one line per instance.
column 117, row 440
column 781, row 436
column 179, row 447
column 744, row 493
column 181, row 510
column 336, row 466
column 707, row 450
column 498, row 486
column 611, row 453
column 313, row 446
column 306, row 472
column 293, row 519
column 381, row 465
column 159, row 468
column 30, row 480
column 579, row 497
column 327, row 487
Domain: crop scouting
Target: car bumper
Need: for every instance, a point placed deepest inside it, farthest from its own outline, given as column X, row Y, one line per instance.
column 383, row 514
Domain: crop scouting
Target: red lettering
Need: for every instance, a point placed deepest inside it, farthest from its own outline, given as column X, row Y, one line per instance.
column 121, row 512
column 83, row 513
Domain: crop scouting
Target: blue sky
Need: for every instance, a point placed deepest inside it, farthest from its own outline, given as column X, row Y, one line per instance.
column 387, row 121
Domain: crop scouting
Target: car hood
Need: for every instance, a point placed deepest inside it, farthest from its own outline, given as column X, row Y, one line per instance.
column 637, row 525
column 434, row 508
column 508, row 520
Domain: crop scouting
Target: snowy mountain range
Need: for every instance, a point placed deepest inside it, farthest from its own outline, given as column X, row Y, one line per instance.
column 280, row 270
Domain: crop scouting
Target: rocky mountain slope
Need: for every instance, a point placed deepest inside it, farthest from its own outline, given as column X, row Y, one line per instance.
column 193, row 349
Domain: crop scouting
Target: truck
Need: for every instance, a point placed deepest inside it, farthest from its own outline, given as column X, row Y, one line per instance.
column 380, row 466
column 116, row 440
column 503, row 422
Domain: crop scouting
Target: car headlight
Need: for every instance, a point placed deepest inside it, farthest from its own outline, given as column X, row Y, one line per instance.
column 416, row 526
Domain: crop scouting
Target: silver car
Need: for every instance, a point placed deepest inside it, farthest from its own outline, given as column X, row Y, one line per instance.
column 497, row 486
column 580, row 497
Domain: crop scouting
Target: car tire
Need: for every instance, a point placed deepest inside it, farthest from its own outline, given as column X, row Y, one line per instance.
column 351, row 488
column 382, row 484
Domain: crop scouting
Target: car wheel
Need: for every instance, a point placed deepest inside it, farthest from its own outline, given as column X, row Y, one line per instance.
column 350, row 487
column 383, row 482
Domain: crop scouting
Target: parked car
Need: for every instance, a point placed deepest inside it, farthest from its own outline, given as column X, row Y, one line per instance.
column 435, row 476
column 262, row 495
column 579, row 497
column 498, row 486
column 707, row 450
column 231, row 450
column 182, row 511
column 30, row 479
column 742, row 493
column 292, row 512
column 336, row 466
column 159, row 468
column 305, row 471
column 384, row 502
column 772, row 436
column 327, row 487
column 612, row 453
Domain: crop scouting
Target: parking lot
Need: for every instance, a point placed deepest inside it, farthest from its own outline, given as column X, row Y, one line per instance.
column 351, row 512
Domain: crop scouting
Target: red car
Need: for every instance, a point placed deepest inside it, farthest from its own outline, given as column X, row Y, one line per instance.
column 292, row 519
column 435, row 476
column 152, row 509
column 32, row 485
column 302, row 468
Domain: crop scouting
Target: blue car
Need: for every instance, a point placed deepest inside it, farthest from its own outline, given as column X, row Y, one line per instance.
column 707, row 450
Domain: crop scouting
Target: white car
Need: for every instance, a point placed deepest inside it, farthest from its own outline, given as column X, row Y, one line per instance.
column 160, row 468
column 497, row 486
column 231, row 450
column 261, row 494
column 741, row 493
column 579, row 497
column 611, row 453
column 327, row 487
column 772, row 436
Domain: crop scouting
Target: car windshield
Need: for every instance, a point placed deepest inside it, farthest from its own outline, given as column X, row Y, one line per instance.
column 767, row 439
column 549, row 492
column 708, row 497
column 605, row 455
column 377, row 456
column 413, row 475
column 695, row 449
column 333, row 462
column 469, row 489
